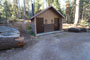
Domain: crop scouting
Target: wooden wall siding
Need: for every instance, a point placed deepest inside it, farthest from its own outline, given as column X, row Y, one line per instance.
column 60, row 23
column 49, row 15
column 35, row 26
column 48, row 27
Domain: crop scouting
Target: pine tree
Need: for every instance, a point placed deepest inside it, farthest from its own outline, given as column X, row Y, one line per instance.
column 56, row 4
column 19, row 9
column 30, row 8
column 50, row 2
column 15, row 7
column 37, row 5
column 24, row 9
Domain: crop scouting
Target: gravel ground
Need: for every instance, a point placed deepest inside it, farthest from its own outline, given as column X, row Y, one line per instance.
column 60, row 46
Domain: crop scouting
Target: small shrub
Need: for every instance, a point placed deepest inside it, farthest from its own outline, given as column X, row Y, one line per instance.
column 83, row 23
column 29, row 30
column 13, row 19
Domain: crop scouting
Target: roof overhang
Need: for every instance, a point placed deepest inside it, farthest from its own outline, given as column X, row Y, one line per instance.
column 51, row 7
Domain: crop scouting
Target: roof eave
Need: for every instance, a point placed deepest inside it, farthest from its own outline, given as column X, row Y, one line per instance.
column 45, row 10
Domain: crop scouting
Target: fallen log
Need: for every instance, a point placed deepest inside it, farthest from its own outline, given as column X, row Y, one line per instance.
column 7, row 43
column 10, row 38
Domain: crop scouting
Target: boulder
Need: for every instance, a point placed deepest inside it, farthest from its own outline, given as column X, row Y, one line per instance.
column 83, row 30
column 73, row 30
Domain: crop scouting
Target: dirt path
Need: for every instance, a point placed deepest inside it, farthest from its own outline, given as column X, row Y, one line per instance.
column 60, row 46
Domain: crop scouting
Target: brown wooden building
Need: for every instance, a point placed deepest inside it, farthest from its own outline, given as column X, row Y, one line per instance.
column 48, row 20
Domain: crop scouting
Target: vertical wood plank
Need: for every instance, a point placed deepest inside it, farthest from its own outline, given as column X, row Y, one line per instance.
column 35, row 26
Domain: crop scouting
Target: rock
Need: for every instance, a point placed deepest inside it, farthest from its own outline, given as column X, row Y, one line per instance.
column 73, row 30
column 83, row 30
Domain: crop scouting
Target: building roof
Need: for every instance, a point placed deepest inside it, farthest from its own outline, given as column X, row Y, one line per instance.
column 51, row 7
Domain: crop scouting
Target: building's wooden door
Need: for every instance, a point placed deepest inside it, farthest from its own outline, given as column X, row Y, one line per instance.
column 56, row 24
column 39, row 25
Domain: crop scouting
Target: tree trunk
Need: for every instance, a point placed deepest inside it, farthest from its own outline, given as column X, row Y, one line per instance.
column 49, row 2
column 77, row 12
column 81, row 9
column 24, row 10
column 19, row 10
column 15, row 8
column 30, row 8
